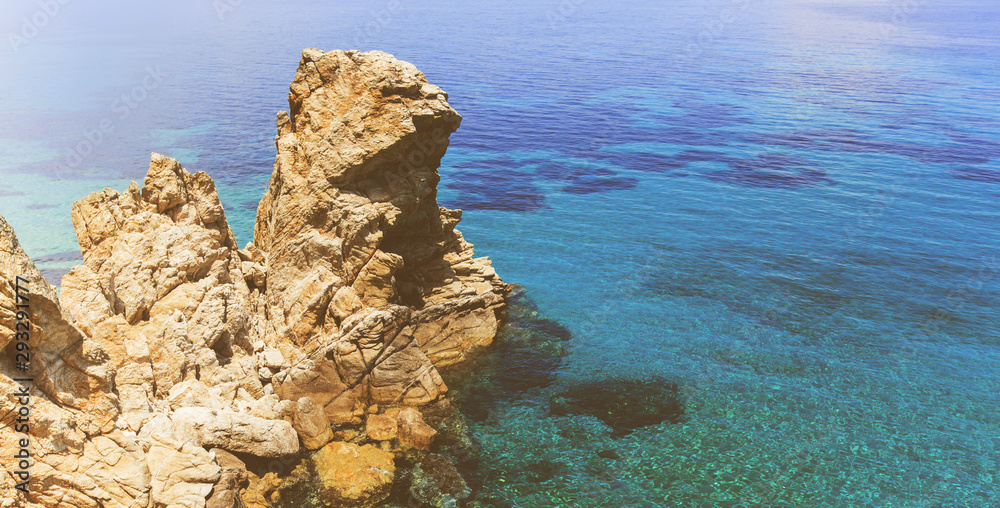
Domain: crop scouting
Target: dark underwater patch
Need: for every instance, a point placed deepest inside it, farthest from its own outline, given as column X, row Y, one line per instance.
column 545, row 470
column 641, row 161
column 703, row 115
column 501, row 202
column 514, row 190
column 511, row 191
column 977, row 174
column 525, row 356
column 812, row 287
column 593, row 185
column 502, row 161
column 685, row 136
column 592, row 127
column 436, row 482
column 624, row 405
column 54, row 275
column 969, row 151
column 687, row 156
column 656, row 163
column 559, row 171
column 609, row 454
column 771, row 170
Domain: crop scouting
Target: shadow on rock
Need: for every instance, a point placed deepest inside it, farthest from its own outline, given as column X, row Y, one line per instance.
column 624, row 405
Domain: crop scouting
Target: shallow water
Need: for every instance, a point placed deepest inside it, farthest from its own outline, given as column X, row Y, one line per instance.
column 787, row 209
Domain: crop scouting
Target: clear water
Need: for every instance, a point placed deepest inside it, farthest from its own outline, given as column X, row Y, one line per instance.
column 788, row 208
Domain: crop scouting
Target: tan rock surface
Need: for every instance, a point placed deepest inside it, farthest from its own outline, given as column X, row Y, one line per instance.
column 233, row 477
column 235, row 432
column 71, row 371
column 352, row 475
column 132, row 340
column 413, row 431
column 160, row 288
column 71, row 402
column 312, row 424
column 381, row 427
column 355, row 246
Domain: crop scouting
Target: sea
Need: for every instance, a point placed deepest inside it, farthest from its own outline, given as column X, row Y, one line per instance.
column 776, row 219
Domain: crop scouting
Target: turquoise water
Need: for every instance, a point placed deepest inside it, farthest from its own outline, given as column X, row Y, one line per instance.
column 788, row 209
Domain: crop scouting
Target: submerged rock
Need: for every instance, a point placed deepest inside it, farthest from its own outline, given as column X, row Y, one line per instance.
column 624, row 405
column 437, row 483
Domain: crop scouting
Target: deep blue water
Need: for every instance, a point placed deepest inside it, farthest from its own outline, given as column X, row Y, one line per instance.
column 788, row 208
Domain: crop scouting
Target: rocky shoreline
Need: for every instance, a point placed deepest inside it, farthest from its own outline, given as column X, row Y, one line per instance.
column 176, row 369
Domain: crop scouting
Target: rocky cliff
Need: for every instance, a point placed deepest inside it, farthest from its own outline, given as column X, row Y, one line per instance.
column 172, row 359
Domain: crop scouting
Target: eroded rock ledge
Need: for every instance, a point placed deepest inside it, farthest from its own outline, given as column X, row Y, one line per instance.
column 172, row 356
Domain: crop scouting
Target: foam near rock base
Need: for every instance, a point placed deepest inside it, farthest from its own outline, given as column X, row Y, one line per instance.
column 169, row 340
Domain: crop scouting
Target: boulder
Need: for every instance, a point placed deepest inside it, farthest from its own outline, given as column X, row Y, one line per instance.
column 194, row 393
column 235, row 432
column 413, row 431
column 353, row 476
column 380, row 427
column 312, row 424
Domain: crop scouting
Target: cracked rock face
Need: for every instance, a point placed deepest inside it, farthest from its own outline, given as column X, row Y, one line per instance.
column 162, row 291
column 170, row 341
column 367, row 279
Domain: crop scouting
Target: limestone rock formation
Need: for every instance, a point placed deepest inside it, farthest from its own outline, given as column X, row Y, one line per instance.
column 169, row 341
column 368, row 283
column 144, row 359
column 69, row 370
column 312, row 424
column 72, row 408
column 234, row 431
